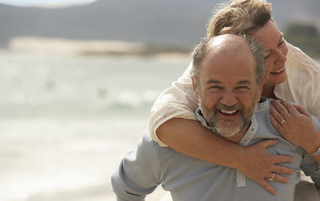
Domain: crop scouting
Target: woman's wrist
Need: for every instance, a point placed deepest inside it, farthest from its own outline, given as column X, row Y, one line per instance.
column 313, row 146
column 239, row 157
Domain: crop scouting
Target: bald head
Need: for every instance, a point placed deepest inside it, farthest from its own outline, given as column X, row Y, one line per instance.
column 226, row 43
column 225, row 49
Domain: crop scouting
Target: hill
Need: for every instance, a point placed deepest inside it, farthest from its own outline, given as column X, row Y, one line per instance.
column 179, row 22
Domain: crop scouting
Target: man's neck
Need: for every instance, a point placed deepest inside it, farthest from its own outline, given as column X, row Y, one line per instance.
column 268, row 91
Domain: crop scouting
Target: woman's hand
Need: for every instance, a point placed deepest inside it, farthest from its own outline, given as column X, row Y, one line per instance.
column 258, row 164
column 295, row 124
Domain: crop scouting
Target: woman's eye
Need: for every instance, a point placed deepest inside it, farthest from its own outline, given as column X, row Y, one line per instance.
column 267, row 56
column 281, row 43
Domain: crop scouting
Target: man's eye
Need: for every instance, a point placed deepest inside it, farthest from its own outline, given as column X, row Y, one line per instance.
column 242, row 88
column 215, row 87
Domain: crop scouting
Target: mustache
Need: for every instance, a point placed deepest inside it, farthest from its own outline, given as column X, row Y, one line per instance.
column 225, row 107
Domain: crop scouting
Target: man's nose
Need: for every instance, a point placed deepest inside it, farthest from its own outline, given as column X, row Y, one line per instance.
column 229, row 98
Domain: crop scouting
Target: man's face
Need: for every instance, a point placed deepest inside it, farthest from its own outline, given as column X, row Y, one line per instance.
column 227, row 90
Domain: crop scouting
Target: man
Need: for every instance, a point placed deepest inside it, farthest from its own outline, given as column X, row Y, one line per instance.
column 228, row 75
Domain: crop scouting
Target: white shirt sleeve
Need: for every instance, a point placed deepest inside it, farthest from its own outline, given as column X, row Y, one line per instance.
column 175, row 102
column 303, row 81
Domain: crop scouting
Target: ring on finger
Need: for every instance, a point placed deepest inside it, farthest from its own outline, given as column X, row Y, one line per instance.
column 285, row 114
column 282, row 121
column 271, row 179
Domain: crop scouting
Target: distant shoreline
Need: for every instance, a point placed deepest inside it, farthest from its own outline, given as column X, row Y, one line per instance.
column 93, row 47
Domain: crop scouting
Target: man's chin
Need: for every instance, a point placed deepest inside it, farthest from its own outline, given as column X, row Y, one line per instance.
column 228, row 130
column 229, row 133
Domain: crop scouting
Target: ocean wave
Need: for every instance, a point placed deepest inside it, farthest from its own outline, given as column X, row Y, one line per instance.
column 133, row 100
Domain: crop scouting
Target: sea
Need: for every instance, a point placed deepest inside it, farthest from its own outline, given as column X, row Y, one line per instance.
column 66, row 121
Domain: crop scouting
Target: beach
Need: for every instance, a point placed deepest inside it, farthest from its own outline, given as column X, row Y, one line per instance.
column 66, row 121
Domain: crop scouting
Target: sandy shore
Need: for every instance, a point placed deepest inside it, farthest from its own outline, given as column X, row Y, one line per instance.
column 155, row 196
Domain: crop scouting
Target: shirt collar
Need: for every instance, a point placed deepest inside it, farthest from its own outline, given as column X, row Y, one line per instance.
column 201, row 119
column 263, row 104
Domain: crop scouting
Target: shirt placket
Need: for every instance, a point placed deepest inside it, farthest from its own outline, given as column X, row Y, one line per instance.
column 241, row 178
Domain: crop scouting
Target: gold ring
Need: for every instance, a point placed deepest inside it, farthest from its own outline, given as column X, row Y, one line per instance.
column 282, row 121
column 285, row 114
column 271, row 179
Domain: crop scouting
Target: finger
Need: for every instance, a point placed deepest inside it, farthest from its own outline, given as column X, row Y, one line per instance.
column 289, row 107
column 282, row 159
column 274, row 123
column 280, row 179
column 279, row 107
column 268, row 143
column 267, row 186
column 282, row 170
column 275, row 113
column 301, row 109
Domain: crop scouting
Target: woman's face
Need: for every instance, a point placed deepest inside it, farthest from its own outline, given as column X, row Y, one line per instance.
column 276, row 53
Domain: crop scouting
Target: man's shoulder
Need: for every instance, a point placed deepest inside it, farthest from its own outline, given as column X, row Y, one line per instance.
column 151, row 147
column 146, row 136
column 148, row 143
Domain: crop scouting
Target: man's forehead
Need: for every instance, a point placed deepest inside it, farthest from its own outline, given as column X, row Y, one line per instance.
column 230, row 69
column 235, row 80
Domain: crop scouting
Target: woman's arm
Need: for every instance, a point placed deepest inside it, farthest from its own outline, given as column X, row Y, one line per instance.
column 190, row 138
column 178, row 101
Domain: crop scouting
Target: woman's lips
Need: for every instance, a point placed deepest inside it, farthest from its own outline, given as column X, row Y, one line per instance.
column 278, row 71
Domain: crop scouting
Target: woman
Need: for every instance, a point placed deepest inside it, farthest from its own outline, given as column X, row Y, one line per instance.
column 291, row 75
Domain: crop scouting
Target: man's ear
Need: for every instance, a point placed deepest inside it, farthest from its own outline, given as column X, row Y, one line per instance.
column 194, row 85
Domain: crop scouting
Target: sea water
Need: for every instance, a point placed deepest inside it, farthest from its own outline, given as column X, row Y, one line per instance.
column 66, row 121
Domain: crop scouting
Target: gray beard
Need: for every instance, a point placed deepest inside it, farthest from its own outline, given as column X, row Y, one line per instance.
column 228, row 128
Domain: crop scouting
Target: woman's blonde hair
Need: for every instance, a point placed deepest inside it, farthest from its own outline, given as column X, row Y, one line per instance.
column 239, row 17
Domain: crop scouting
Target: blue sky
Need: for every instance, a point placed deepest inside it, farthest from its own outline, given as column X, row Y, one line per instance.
column 45, row 3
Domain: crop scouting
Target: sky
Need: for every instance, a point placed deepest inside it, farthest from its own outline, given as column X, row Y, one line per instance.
column 46, row 3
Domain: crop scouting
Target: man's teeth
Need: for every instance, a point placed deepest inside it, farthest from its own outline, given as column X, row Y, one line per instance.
column 278, row 71
column 228, row 111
